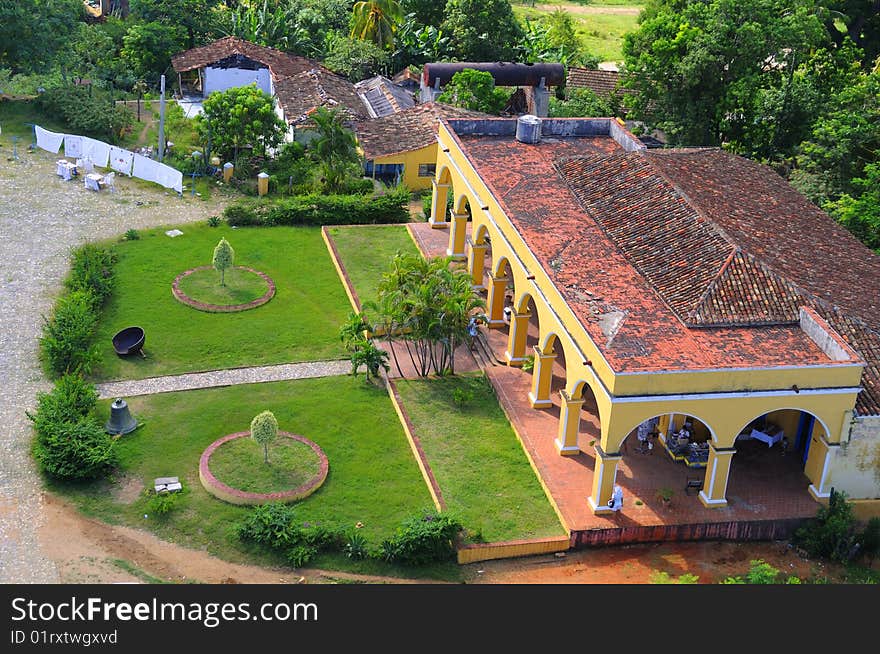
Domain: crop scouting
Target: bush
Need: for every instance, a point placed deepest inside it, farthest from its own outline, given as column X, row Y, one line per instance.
column 273, row 525
column 356, row 547
column 832, row 533
column 316, row 209
column 75, row 450
column 869, row 540
column 132, row 235
column 71, row 399
column 64, row 345
column 300, row 555
column 161, row 504
column 423, row 539
column 92, row 270
column 88, row 112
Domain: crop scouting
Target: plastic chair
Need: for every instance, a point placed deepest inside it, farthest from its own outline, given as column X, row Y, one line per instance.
column 110, row 181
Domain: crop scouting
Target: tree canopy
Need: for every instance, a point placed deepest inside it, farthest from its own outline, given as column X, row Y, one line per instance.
column 475, row 90
column 240, row 117
column 482, row 30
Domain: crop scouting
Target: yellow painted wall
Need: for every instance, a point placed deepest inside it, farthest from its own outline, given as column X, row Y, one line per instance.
column 621, row 406
column 411, row 161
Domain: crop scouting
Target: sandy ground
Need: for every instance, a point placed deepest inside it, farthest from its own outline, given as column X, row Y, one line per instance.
column 87, row 551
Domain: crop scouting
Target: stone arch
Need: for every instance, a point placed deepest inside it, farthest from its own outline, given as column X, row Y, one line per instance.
column 788, row 408
column 444, row 176
column 713, row 437
column 481, row 234
column 463, row 204
column 577, row 392
column 501, row 266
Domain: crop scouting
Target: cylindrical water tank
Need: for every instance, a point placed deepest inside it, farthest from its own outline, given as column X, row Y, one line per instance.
column 528, row 129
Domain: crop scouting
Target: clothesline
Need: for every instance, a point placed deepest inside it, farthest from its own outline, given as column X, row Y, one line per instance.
column 103, row 155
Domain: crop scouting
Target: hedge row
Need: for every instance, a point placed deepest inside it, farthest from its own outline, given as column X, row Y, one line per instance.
column 65, row 346
column 315, row 209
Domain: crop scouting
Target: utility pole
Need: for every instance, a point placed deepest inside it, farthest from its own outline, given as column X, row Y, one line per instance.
column 162, row 118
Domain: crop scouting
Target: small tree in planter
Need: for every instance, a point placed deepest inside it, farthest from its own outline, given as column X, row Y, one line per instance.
column 665, row 495
column 264, row 429
column 224, row 256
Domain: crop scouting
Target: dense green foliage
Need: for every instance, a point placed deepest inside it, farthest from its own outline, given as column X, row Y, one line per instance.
column 70, row 442
column 832, row 533
column 92, row 270
column 482, row 30
column 92, row 113
column 423, row 539
column 791, row 84
column 475, row 90
column 315, row 209
column 240, row 117
column 334, row 149
column 428, row 304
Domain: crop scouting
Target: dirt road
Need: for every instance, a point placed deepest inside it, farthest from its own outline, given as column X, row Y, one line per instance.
column 88, row 551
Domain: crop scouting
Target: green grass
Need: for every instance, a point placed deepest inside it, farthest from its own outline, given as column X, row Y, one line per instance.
column 240, row 464
column 482, row 471
column 373, row 477
column 366, row 254
column 240, row 287
column 299, row 324
column 601, row 32
column 14, row 115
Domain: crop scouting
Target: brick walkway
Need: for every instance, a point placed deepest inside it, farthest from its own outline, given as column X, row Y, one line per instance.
column 763, row 484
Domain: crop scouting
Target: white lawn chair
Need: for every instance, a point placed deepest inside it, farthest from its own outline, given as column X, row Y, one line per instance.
column 109, row 182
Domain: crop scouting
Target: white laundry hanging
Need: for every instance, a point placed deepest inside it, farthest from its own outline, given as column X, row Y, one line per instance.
column 73, row 146
column 121, row 160
column 49, row 141
column 97, row 151
column 153, row 171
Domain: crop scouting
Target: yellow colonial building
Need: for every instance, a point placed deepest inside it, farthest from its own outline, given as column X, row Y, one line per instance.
column 672, row 286
column 402, row 146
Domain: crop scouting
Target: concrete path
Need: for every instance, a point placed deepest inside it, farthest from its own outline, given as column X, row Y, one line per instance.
column 230, row 377
column 41, row 218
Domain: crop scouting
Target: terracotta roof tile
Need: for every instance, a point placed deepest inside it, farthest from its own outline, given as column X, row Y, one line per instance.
column 601, row 82
column 280, row 64
column 301, row 94
column 407, row 130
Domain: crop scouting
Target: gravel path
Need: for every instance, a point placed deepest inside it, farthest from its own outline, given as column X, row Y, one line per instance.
column 41, row 218
column 228, row 377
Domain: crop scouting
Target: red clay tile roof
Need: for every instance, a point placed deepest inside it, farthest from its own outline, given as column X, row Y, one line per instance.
column 280, row 64
column 747, row 250
column 601, row 82
column 407, row 130
column 704, row 277
column 301, row 94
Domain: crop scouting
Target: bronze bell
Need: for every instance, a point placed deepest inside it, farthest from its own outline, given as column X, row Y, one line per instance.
column 120, row 421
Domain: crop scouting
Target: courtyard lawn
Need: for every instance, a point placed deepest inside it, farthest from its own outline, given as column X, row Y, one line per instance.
column 366, row 254
column 478, row 462
column 373, row 478
column 299, row 324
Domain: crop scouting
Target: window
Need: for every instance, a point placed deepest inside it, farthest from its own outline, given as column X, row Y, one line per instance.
column 427, row 170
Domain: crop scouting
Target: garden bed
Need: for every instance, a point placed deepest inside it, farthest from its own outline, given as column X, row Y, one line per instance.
column 244, row 289
column 301, row 470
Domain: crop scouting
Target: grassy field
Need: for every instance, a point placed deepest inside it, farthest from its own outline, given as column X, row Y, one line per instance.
column 366, row 253
column 299, row 324
column 482, row 471
column 373, row 477
column 240, row 464
column 601, row 24
column 239, row 287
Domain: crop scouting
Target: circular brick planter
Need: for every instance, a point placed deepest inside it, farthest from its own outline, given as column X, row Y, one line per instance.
column 235, row 496
column 221, row 308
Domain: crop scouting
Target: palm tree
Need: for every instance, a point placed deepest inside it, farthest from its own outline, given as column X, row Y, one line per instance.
column 335, row 147
column 376, row 21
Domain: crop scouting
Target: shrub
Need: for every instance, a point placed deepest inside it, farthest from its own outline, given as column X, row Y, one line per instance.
column 132, row 235
column 92, row 270
column 213, row 221
column 75, row 450
column 273, row 525
column 662, row 578
column 462, row 396
column 64, row 345
column 71, row 399
column 423, row 539
column 869, row 540
column 356, row 547
column 161, row 504
column 300, row 555
column 832, row 533
column 316, row 209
